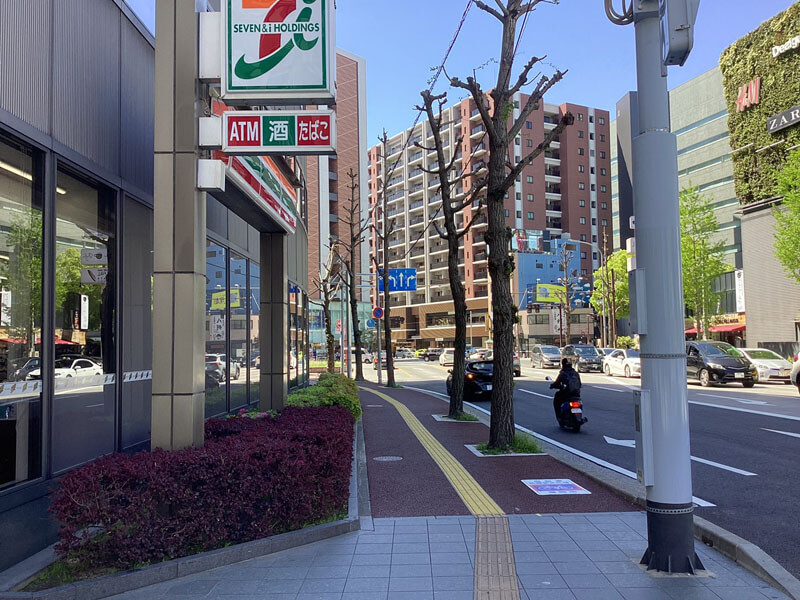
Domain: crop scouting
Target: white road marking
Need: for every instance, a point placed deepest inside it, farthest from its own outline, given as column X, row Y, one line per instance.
column 536, row 394
column 620, row 382
column 746, row 410
column 608, row 389
column 789, row 433
column 711, row 463
column 742, row 400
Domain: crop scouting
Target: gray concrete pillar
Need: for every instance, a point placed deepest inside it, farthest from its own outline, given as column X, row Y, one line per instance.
column 274, row 321
column 180, row 235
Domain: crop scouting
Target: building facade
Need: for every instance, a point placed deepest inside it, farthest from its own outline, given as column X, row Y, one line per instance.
column 566, row 192
column 104, row 335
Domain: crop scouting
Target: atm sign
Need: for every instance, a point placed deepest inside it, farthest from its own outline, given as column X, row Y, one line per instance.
column 283, row 132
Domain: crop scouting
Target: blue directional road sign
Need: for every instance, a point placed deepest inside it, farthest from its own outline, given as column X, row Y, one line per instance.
column 400, row 280
column 370, row 322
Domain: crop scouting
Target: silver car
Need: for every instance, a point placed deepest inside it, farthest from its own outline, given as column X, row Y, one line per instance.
column 771, row 365
column 794, row 376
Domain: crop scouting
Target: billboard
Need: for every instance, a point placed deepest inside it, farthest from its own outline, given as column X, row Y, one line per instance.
column 278, row 51
column 550, row 293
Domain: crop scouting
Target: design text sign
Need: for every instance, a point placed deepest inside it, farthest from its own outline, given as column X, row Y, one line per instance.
column 278, row 50
column 279, row 132
column 783, row 120
column 555, row 487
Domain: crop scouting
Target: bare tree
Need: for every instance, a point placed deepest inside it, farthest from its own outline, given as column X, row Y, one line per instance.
column 327, row 285
column 357, row 227
column 383, row 270
column 496, row 113
column 452, row 235
column 569, row 280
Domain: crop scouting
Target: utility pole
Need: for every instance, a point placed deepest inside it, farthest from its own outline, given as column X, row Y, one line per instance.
column 664, row 423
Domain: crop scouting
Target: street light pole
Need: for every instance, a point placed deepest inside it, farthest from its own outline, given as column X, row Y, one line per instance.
column 658, row 290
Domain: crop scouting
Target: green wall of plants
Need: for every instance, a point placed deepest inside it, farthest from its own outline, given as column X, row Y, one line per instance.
column 748, row 58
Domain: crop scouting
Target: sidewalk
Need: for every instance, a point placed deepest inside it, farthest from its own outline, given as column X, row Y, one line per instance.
column 449, row 525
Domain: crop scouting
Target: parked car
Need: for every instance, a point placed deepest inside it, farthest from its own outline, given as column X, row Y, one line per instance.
column 431, row 354
column 419, row 352
column 217, row 366
column 404, row 353
column 606, row 351
column 477, row 380
column 447, row 357
column 544, row 356
column 584, row 357
column 623, row 362
column 478, row 353
column 794, row 376
column 21, row 368
column 366, row 355
column 71, row 366
column 771, row 366
column 718, row 362
column 516, row 362
column 384, row 363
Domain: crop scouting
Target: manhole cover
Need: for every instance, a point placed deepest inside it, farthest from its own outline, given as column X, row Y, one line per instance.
column 388, row 458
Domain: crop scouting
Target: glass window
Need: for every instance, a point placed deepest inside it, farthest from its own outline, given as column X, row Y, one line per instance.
column 217, row 329
column 84, row 405
column 237, row 359
column 20, row 316
column 580, row 134
column 137, row 323
column 254, row 301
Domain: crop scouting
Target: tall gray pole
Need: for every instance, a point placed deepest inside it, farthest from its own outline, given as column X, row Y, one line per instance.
column 659, row 288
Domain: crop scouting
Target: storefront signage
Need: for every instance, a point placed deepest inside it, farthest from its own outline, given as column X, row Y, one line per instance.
column 278, row 51
column 783, row 120
column 790, row 44
column 279, row 131
column 218, row 300
column 739, row 281
column 94, row 275
column 94, row 256
column 749, row 95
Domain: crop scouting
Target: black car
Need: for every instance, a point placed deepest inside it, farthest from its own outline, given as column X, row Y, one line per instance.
column 584, row 357
column 432, row 354
column 718, row 362
column 477, row 380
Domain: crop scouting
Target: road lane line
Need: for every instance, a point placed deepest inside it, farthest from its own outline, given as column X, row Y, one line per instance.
column 789, row 433
column 472, row 494
column 536, row 394
column 745, row 410
column 600, row 387
column 742, row 400
column 711, row 463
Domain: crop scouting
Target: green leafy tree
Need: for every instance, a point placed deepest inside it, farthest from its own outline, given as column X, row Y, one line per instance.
column 787, row 228
column 610, row 288
column 701, row 258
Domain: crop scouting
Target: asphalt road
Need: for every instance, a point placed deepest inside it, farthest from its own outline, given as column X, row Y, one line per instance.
column 745, row 445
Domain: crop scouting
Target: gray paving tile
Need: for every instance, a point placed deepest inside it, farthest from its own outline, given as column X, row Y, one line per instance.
column 691, row 593
column 453, row 595
column 409, row 548
column 409, row 529
column 577, row 527
column 449, row 546
column 363, row 596
column 527, row 547
column 360, row 571
column 522, row 536
column 644, row 594
column 576, row 566
column 547, row 581
column 632, row 580
column 605, row 555
column 597, row 594
column 373, row 548
column 532, row 568
column 586, row 580
column 521, row 557
column 545, row 594
column 333, row 560
column 367, row 584
column 375, row 538
column 723, row 578
column 317, row 596
column 278, row 586
column 623, row 535
column 410, row 538
column 417, row 558
column 372, row 559
column 446, row 537
column 198, row 587
column 447, row 558
column 738, row 593
column 620, row 566
column 565, row 556
column 444, row 527
column 411, row 584
column 459, row 570
column 567, row 546
column 416, row 595
column 340, row 572
column 453, row 583
column 588, row 535
column 323, row 585
column 552, row 536
column 412, row 571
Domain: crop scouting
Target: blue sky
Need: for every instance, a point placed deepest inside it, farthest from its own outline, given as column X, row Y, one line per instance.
column 401, row 45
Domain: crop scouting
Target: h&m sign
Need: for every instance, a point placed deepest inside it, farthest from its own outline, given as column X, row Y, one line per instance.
column 783, row 120
column 749, row 95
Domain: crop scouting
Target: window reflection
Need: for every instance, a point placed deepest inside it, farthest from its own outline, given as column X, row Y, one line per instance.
column 20, row 317
column 216, row 329
column 237, row 362
column 298, row 336
column 254, row 300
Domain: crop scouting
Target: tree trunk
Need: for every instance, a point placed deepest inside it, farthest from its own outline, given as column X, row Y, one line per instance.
column 387, row 307
column 329, row 339
column 460, row 344
column 354, row 315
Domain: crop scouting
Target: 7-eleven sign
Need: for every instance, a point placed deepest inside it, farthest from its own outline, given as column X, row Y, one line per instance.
column 279, row 132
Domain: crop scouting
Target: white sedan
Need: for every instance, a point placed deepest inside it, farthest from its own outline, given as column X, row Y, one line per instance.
column 771, row 366
column 623, row 362
column 68, row 366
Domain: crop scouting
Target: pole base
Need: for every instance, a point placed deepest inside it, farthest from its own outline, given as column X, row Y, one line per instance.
column 670, row 539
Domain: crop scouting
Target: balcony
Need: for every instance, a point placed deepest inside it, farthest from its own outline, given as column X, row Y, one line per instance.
column 552, row 196
column 418, row 251
column 393, row 243
column 479, row 150
column 479, row 257
column 418, row 299
column 415, row 158
column 415, row 205
column 416, row 221
column 415, row 173
column 476, row 132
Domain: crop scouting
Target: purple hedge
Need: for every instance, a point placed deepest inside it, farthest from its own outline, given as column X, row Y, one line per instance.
column 253, row 478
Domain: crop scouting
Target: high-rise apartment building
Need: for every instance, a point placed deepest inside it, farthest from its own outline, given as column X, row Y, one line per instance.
column 565, row 191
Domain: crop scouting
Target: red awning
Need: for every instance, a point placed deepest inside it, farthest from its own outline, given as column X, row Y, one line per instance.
column 691, row 331
column 727, row 328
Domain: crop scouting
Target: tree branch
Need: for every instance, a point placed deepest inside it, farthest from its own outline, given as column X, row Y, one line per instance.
column 522, row 80
column 566, row 121
column 474, row 88
column 441, row 233
column 545, row 83
column 486, row 8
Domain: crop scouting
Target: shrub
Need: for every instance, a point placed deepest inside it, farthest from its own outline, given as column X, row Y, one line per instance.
column 332, row 389
column 253, row 478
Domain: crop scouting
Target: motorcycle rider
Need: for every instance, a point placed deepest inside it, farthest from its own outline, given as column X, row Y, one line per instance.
column 568, row 383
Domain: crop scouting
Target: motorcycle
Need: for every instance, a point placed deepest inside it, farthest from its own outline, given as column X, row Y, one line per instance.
column 570, row 416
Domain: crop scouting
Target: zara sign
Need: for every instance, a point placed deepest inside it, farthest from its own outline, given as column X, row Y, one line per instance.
column 278, row 51
column 783, row 120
